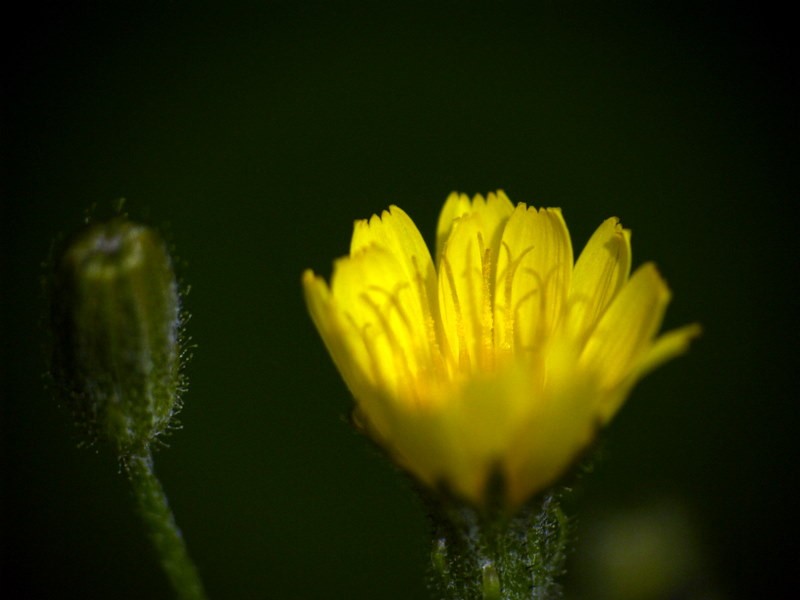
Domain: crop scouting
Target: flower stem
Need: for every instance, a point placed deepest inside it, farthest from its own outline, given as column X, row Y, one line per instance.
column 164, row 533
column 492, row 556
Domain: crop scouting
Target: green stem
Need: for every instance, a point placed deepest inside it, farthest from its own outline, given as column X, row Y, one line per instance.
column 492, row 556
column 164, row 533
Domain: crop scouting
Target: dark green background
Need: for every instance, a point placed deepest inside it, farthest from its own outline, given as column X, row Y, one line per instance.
column 254, row 136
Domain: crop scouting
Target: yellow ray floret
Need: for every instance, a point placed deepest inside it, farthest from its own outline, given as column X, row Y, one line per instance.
column 504, row 356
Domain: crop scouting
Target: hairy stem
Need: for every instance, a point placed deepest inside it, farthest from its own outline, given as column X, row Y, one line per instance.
column 164, row 533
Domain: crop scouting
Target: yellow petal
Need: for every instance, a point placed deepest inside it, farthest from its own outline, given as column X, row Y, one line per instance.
column 559, row 426
column 374, row 293
column 601, row 271
column 532, row 279
column 494, row 211
column 428, row 446
column 626, row 330
column 454, row 207
column 396, row 232
column 459, row 443
column 666, row 347
column 464, row 294
column 490, row 413
column 466, row 281
column 340, row 337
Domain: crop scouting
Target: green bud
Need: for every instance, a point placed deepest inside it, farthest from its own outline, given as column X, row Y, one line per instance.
column 116, row 324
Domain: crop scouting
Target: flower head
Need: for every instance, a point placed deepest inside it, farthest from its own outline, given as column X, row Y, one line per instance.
column 502, row 358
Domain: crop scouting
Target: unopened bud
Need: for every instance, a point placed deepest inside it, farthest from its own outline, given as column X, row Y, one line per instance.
column 116, row 320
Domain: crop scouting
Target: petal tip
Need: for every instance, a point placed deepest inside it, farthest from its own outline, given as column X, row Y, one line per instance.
column 312, row 282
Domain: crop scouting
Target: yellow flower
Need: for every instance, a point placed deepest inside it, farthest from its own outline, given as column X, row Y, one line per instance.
column 503, row 358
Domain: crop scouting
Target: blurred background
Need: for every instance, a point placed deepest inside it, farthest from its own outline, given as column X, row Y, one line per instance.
column 253, row 135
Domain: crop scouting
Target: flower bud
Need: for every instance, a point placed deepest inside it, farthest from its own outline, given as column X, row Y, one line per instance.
column 116, row 321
